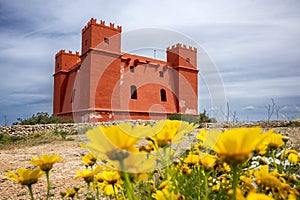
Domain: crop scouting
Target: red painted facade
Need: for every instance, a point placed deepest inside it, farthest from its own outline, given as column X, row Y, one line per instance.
column 104, row 83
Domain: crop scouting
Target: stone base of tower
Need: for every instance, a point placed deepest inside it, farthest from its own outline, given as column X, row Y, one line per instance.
column 103, row 116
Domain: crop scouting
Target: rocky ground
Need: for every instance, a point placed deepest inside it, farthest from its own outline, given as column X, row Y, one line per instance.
column 63, row 173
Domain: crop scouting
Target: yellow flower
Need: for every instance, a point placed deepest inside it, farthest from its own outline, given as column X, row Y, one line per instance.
column 258, row 196
column 247, row 183
column 138, row 163
column 115, row 141
column 110, row 177
column 70, row 192
column 266, row 179
column 208, row 162
column 270, row 181
column 192, row 160
column 148, row 148
column 89, row 160
column 293, row 156
column 170, row 132
column 235, row 145
column 165, row 194
column 202, row 135
column 88, row 175
column 108, row 181
column 24, row 176
column 273, row 139
column 45, row 162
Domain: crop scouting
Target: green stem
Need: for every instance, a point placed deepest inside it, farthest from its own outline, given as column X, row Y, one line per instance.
column 48, row 185
column 235, row 179
column 114, row 191
column 30, row 191
column 128, row 184
column 97, row 193
column 274, row 159
column 205, row 185
column 166, row 160
column 88, row 189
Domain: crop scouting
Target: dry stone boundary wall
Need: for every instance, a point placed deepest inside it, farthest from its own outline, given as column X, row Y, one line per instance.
column 26, row 130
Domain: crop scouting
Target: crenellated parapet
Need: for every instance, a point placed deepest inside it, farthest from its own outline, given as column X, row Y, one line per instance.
column 182, row 46
column 102, row 24
column 70, row 53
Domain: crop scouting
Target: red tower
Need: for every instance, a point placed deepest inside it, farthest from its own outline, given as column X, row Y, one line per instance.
column 104, row 83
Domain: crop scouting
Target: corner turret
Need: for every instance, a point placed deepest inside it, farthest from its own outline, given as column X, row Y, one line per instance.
column 182, row 55
column 100, row 36
column 66, row 60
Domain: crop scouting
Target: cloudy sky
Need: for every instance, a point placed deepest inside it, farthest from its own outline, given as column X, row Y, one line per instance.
column 254, row 45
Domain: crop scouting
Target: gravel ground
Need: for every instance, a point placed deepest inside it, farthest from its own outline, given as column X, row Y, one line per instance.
column 63, row 173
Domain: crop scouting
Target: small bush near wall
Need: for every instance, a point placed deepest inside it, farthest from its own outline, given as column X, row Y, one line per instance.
column 201, row 118
column 43, row 118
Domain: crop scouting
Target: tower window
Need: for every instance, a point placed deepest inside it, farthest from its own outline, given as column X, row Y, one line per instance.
column 161, row 74
column 163, row 95
column 133, row 92
column 132, row 69
column 85, row 42
column 57, row 65
column 106, row 40
column 188, row 60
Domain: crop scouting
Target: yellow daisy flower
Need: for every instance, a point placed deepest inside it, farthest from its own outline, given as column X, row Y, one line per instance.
column 208, row 162
column 192, row 159
column 293, row 156
column 235, row 145
column 108, row 181
column 45, row 162
column 110, row 177
column 274, row 140
column 170, row 131
column 24, row 176
column 89, row 160
column 165, row 194
column 88, row 175
column 70, row 192
column 258, row 196
column 115, row 141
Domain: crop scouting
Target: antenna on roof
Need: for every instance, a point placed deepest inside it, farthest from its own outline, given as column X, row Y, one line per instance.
column 154, row 53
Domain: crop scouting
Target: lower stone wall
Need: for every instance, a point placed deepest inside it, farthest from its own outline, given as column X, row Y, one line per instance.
column 23, row 130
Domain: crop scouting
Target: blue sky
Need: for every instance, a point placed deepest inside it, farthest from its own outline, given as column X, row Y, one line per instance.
column 253, row 44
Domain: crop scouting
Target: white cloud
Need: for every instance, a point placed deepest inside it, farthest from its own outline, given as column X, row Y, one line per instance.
column 248, row 108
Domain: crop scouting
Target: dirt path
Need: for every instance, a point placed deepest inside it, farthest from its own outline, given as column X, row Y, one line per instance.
column 61, row 176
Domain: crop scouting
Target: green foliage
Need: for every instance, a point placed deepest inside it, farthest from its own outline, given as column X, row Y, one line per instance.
column 43, row 118
column 201, row 118
column 5, row 139
column 62, row 134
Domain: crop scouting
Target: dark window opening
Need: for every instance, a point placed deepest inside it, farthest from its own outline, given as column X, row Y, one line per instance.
column 106, row 40
column 57, row 65
column 132, row 69
column 133, row 92
column 188, row 60
column 163, row 95
column 85, row 42
column 161, row 74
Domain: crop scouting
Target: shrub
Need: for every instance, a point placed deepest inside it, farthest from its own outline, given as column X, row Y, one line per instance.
column 5, row 139
column 43, row 118
column 201, row 118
